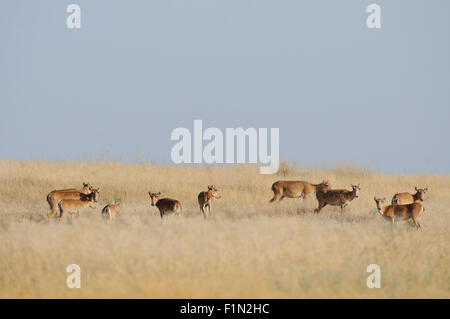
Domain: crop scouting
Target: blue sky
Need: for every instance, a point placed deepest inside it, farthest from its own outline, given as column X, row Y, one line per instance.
column 136, row 70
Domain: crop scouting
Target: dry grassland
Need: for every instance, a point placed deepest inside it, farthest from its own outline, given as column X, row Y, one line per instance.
column 249, row 248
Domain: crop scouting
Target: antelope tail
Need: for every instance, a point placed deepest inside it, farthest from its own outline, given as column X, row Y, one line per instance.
column 105, row 211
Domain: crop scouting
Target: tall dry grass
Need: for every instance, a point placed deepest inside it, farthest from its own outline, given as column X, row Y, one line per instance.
column 250, row 248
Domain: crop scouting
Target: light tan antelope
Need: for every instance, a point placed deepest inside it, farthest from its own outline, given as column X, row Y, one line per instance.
column 166, row 206
column 294, row 189
column 73, row 206
column 205, row 199
column 336, row 197
column 407, row 198
column 55, row 196
column 405, row 212
column 109, row 213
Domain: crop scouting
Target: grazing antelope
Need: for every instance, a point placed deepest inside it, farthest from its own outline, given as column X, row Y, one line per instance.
column 406, row 212
column 294, row 189
column 54, row 197
column 407, row 198
column 166, row 206
column 205, row 199
column 109, row 213
column 74, row 205
column 336, row 197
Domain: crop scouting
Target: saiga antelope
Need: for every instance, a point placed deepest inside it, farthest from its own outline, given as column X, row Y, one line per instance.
column 166, row 206
column 407, row 211
column 336, row 197
column 294, row 189
column 205, row 199
column 407, row 198
column 55, row 196
column 74, row 205
column 109, row 213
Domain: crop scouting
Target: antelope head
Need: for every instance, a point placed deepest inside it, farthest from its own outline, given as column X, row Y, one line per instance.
column 154, row 197
column 379, row 201
column 212, row 190
column 356, row 189
column 324, row 186
column 87, row 188
column 420, row 192
column 87, row 185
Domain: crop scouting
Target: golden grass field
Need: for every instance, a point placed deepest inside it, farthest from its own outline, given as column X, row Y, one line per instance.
column 249, row 248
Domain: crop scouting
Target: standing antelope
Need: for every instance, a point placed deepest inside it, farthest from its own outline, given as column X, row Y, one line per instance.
column 74, row 205
column 205, row 199
column 406, row 212
column 407, row 198
column 336, row 197
column 166, row 206
column 294, row 189
column 55, row 196
column 109, row 213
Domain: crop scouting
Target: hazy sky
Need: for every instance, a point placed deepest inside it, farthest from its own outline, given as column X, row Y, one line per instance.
column 136, row 70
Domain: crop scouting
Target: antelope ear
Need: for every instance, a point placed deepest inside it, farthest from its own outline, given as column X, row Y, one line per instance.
column 375, row 198
column 415, row 187
column 159, row 193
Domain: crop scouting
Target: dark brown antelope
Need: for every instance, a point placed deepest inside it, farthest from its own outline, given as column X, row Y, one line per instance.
column 54, row 197
column 407, row 198
column 205, row 199
column 109, row 213
column 166, row 206
column 336, row 197
column 294, row 189
column 73, row 206
column 405, row 212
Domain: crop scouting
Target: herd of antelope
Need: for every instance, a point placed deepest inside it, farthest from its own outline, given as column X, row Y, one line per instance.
column 404, row 205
